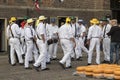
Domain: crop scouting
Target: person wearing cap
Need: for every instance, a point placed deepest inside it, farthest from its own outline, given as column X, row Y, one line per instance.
column 13, row 35
column 94, row 38
column 114, row 33
column 42, row 44
column 53, row 35
column 30, row 39
column 106, row 40
column 75, row 32
column 66, row 40
column 82, row 34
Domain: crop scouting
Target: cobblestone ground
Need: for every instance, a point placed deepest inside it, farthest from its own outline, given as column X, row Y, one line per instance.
column 8, row 72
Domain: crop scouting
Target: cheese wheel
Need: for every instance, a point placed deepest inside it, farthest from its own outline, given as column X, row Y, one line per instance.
column 117, row 77
column 97, row 75
column 113, row 65
column 89, row 69
column 88, row 73
column 98, row 70
column 117, row 73
column 109, row 71
column 80, row 68
column 103, row 65
column 80, row 72
column 117, row 69
column 108, row 75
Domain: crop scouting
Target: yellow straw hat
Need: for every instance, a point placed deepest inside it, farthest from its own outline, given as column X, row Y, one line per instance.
column 68, row 19
column 12, row 19
column 42, row 18
column 94, row 21
column 30, row 20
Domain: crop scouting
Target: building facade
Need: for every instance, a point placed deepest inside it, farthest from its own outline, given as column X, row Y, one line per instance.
column 84, row 9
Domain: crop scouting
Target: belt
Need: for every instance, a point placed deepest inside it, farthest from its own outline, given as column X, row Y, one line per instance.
column 64, row 38
column 95, row 37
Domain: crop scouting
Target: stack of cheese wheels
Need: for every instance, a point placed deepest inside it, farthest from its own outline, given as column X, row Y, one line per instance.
column 89, row 70
column 109, row 71
column 98, row 73
column 117, row 73
column 81, row 70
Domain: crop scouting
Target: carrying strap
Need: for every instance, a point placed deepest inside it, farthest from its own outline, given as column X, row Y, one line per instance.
column 104, row 31
column 75, row 29
column 11, row 30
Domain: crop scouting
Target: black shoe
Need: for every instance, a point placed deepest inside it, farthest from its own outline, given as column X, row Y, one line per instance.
column 77, row 59
column 31, row 62
column 45, row 69
column 72, row 59
column 36, row 68
column 68, row 67
column 48, row 62
column 62, row 65
column 104, row 61
column 21, row 64
column 89, row 64
column 28, row 68
column 55, row 59
column 13, row 64
column 116, row 62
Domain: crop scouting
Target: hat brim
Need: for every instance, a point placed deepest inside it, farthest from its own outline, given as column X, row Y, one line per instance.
column 30, row 22
column 43, row 19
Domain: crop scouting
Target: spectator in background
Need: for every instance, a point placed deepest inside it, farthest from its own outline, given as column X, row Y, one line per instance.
column 115, row 40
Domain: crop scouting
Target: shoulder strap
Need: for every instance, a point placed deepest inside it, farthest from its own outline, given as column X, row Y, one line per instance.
column 11, row 30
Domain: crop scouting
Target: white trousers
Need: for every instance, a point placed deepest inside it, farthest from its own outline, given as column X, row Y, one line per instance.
column 94, row 42
column 67, row 49
column 106, row 49
column 30, row 49
column 15, row 47
column 23, row 46
column 77, row 48
column 42, row 57
column 82, row 47
column 53, row 50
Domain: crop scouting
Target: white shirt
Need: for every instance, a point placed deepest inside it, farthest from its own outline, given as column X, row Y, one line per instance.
column 29, row 33
column 22, row 32
column 52, row 30
column 65, row 32
column 106, row 30
column 41, row 29
column 15, row 31
column 94, row 32
column 82, row 29
column 75, row 29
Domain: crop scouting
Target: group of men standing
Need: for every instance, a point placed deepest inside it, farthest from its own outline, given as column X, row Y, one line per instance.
column 40, row 43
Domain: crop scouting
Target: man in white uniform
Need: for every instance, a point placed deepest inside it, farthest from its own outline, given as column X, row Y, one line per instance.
column 42, row 45
column 13, row 34
column 30, row 39
column 94, row 36
column 82, row 34
column 75, row 32
column 53, row 36
column 106, row 40
column 66, row 40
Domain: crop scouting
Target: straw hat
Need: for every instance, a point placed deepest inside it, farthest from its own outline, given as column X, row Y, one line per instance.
column 42, row 18
column 94, row 21
column 30, row 20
